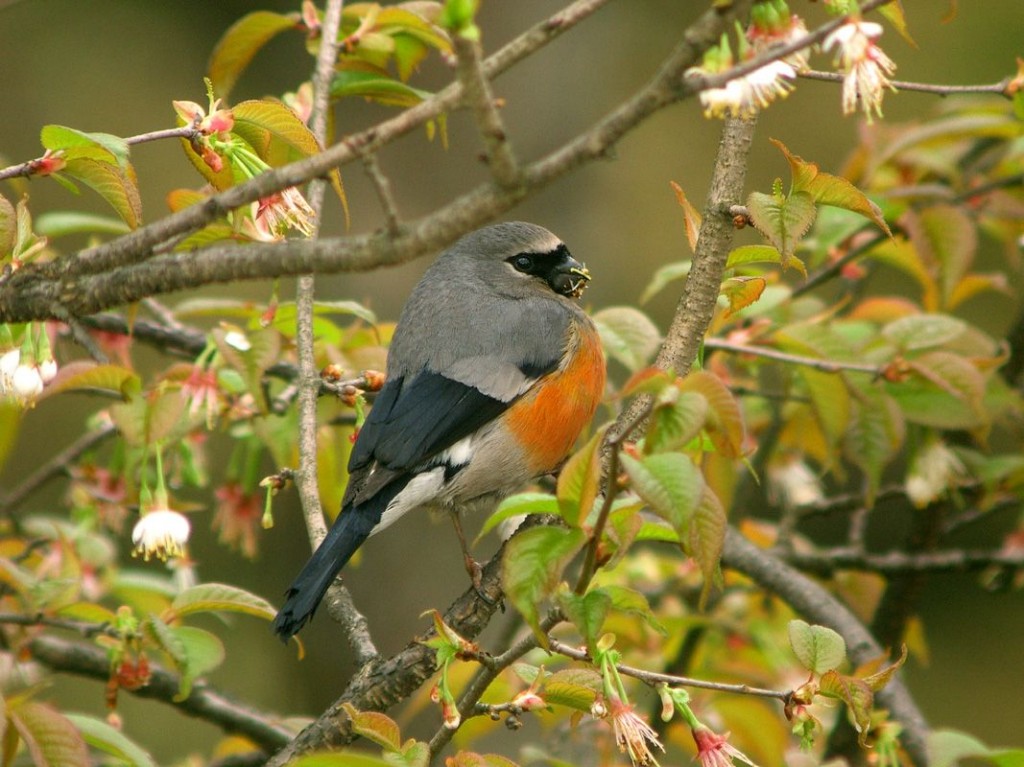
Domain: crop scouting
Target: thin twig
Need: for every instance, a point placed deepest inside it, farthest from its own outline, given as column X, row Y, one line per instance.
column 826, row 366
column 477, row 92
column 337, row 600
column 654, row 678
column 903, row 85
column 382, row 187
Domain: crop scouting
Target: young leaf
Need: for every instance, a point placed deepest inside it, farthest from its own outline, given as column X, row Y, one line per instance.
column 669, row 483
column 115, row 184
column 376, row 727
column 725, row 421
column 875, row 433
column 203, row 652
column 946, row 238
column 60, row 223
column 49, row 737
column 104, row 147
column 376, row 86
column 241, row 42
column 742, row 292
column 519, row 505
column 101, row 736
column 855, row 694
column 818, row 648
column 675, row 423
column 691, row 216
column 632, row 602
column 8, row 226
column 579, row 481
column 922, row 331
column 752, row 254
column 628, row 335
column 576, row 688
column 220, row 597
column 707, row 539
column 946, row 392
column 85, row 375
column 783, row 220
column 826, row 189
column 532, row 568
column 587, row 612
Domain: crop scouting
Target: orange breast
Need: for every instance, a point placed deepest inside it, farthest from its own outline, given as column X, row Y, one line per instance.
column 548, row 420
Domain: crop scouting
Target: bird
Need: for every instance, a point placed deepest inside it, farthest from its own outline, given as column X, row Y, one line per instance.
column 493, row 372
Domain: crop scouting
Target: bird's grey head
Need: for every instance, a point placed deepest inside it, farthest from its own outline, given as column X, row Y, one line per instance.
column 517, row 258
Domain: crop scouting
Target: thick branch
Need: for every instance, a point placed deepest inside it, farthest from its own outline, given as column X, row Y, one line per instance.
column 203, row 702
column 82, row 286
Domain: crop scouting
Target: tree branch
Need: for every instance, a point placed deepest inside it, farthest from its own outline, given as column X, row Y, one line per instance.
column 815, row 603
column 204, row 702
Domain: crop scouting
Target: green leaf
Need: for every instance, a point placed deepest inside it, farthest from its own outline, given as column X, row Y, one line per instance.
column 945, row 236
column 753, row 254
column 666, row 274
column 376, row 86
column 220, row 597
column 532, row 568
column 8, row 226
column 875, row 434
column 87, row 375
column 725, row 420
column 628, row 335
column 632, row 602
column 945, row 391
column 279, row 137
column 826, row 189
column 101, row 736
column 49, row 737
column 241, row 42
column 60, row 223
column 520, row 505
column 675, row 421
column 783, row 220
column 76, row 143
column 579, row 481
column 670, row 484
column 586, row 612
column 818, row 648
column 857, row 696
column 706, row 539
column 203, row 652
column 375, row 726
column 115, row 184
column 948, row 748
column 167, row 641
column 576, row 688
column 922, row 331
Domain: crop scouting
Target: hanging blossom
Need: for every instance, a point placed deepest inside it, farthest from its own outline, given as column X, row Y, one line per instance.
column 161, row 533
column 218, row 147
column 714, row 750
column 742, row 96
column 865, row 67
column 633, row 735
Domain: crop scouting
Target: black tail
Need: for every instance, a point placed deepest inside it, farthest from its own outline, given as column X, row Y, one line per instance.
column 347, row 534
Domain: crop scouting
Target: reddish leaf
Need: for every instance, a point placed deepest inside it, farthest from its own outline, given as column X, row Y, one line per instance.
column 743, row 292
column 707, row 539
column 857, row 696
column 691, row 216
column 50, row 739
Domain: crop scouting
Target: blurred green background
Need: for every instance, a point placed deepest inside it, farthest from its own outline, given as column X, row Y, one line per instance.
column 116, row 65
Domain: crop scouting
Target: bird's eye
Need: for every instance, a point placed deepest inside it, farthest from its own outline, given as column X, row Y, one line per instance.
column 522, row 263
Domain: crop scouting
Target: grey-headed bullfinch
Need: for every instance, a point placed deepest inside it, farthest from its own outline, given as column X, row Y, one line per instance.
column 493, row 372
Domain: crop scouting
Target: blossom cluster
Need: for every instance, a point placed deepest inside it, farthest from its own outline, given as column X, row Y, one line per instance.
column 865, row 68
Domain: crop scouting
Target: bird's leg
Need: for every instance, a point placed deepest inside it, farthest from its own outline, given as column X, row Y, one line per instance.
column 473, row 567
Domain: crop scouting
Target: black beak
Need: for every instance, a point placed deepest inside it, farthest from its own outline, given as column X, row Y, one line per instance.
column 570, row 278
